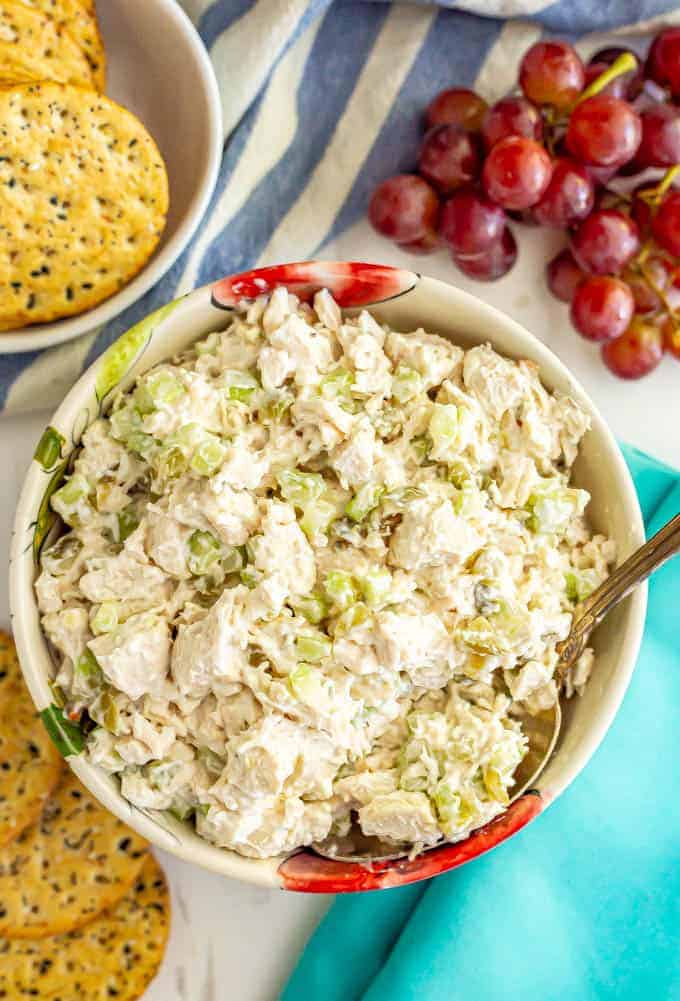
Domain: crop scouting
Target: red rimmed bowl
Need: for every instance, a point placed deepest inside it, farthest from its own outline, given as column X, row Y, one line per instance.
column 405, row 300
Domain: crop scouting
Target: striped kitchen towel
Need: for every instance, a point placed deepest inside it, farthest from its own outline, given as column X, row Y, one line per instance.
column 322, row 99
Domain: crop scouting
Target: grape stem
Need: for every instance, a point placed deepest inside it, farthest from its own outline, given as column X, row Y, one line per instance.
column 624, row 64
column 667, row 180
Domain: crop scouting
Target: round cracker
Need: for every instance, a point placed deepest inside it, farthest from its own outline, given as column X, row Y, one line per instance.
column 77, row 861
column 83, row 201
column 30, row 765
column 79, row 20
column 33, row 46
column 115, row 956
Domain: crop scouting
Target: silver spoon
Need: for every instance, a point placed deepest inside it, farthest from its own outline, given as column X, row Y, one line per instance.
column 543, row 730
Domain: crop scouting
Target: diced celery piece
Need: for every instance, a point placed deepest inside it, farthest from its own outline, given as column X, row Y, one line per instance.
column 73, row 491
column 312, row 607
column 189, row 436
column 444, row 427
column 468, row 500
column 125, row 422
column 251, row 577
column 313, row 648
column 276, row 406
column 403, row 496
column 212, row 761
column 88, row 670
column 552, row 506
column 300, row 488
column 127, row 523
column 105, row 619
column 104, row 711
column 354, row 616
column 68, row 500
column 143, row 399
column 232, row 560
column 141, row 443
column 170, row 462
column 181, row 809
column 406, row 383
column 161, row 773
column 337, row 383
column 240, row 386
column 204, row 552
column 162, row 387
column 422, row 446
column 482, row 637
column 306, row 684
column 453, row 810
column 208, row 457
column 375, row 586
column 365, row 500
column 494, row 786
column 580, row 584
column 317, row 517
column 341, row 589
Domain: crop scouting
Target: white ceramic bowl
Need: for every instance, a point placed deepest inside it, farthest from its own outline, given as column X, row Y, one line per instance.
column 158, row 68
column 405, row 300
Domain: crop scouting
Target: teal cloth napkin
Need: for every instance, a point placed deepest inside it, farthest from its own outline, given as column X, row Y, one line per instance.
column 582, row 905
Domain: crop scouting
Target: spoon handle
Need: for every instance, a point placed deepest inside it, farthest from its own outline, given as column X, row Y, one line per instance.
column 633, row 571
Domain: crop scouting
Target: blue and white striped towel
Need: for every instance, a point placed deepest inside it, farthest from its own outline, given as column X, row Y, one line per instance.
column 326, row 104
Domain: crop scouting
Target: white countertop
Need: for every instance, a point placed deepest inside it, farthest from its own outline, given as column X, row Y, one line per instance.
column 233, row 942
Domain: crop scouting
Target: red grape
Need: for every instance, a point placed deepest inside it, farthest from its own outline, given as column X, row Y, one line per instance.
column 404, row 207
column 600, row 176
column 666, row 224
column 449, row 157
column 663, row 60
column 564, row 276
column 471, row 223
column 646, row 299
column 425, row 245
column 637, row 352
column 457, row 106
column 604, row 131
column 605, row 242
column 552, row 73
column 491, row 264
column 516, row 172
column 660, row 145
column 513, row 116
column 627, row 85
column 602, row 308
column 568, row 198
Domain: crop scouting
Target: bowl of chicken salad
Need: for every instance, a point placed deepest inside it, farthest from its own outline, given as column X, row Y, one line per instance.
column 294, row 556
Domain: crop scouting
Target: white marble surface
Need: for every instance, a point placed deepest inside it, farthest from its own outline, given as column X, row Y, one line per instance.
column 233, row 942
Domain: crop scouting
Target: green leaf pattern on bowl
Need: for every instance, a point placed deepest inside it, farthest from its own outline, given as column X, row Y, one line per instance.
column 46, row 517
column 49, row 448
column 66, row 736
column 118, row 359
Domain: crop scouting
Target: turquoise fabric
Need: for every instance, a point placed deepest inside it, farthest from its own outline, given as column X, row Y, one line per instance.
column 584, row 904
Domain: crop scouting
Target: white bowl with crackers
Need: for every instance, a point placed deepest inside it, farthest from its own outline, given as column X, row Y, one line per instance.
column 110, row 151
column 405, row 301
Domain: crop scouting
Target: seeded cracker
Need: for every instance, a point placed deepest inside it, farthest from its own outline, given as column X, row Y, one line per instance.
column 83, row 201
column 34, row 47
column 79, row 19
column 77, row 861
column 30, row 765
column 116, row 956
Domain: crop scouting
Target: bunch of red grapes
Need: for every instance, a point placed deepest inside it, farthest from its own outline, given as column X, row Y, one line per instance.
column 561, row 153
